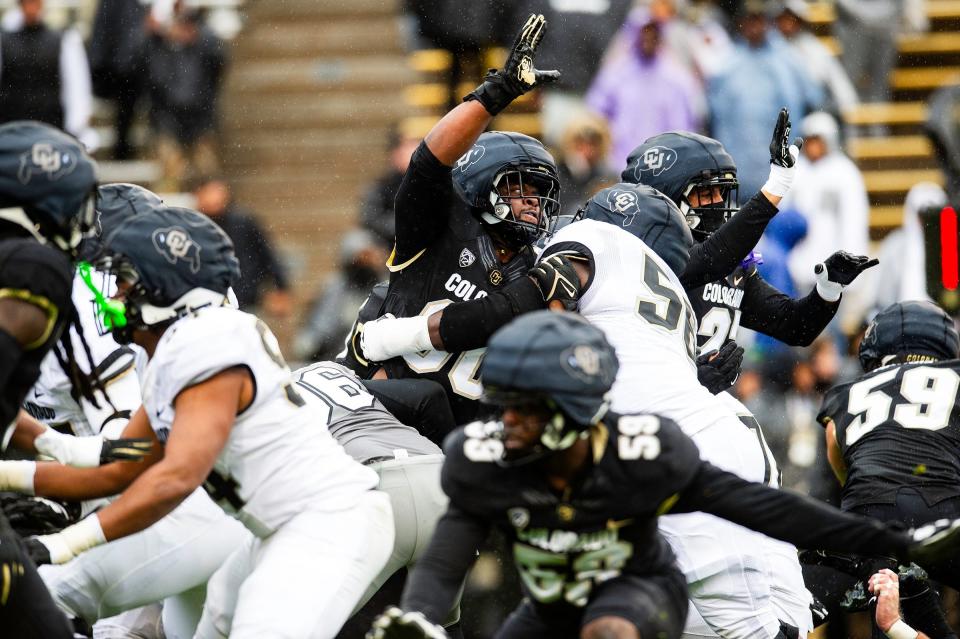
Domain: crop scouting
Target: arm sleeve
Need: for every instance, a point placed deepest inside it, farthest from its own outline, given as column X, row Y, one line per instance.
column 433, row 585
column 465, row 326
column 722, row 252
column 796, row 322
column 786, row 515
column 422, row 204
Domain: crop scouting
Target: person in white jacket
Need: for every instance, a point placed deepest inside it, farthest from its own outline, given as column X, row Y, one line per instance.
column 829, row 192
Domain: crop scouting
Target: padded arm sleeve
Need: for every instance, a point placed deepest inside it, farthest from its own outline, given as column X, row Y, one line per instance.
column 465, row 326
column 422, row 204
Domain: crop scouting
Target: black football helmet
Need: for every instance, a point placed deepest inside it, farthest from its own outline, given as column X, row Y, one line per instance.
column 556, row 358
column 502, row 161
column 913, row 331
column 647, row 214
column 115, row 203
column 678, row 163
column 48, row 184
column 175, row 260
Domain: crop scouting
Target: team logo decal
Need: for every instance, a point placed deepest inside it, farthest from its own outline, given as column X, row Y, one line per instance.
column 581, row 361
column 471, row 157
column 44, row 157
column 175, row 244
column 656, row 159
column 466, row 258
column 624, row 203
column 519, row 517
column 496, row 277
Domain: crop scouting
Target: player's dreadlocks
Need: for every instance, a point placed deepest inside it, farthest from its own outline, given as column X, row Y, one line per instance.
column 81, row 384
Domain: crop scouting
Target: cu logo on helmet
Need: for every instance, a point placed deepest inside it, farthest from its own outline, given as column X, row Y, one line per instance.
column 656, row 159
column 471, row 157
column 175, row 244
column 624, row 203
column 581, row 361
column 44, row 157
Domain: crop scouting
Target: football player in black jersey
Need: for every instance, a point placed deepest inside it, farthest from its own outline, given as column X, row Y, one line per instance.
column 47, row 192
column 577, row 490
column 893, row 435
column 450, row 249
column 698, row 174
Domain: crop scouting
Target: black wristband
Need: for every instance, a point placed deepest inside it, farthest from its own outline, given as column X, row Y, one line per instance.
column 468, row 325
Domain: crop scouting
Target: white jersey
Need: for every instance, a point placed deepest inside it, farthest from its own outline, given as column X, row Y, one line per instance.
column 641, row 307
column 50, row 400
column 279, row 459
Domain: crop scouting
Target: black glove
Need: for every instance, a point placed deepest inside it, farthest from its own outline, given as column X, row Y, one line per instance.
column 934, row 542
column 837, row 271
column 37, row 551
column 718, row 370
column 518, row 75
column 558, row 281
column 397, row 624
column 36, row 515
column 780, row 142
column 124, row 450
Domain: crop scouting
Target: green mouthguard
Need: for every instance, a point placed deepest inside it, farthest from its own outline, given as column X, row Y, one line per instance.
column 112, row 312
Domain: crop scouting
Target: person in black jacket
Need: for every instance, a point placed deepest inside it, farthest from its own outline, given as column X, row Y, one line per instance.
column 577, row 490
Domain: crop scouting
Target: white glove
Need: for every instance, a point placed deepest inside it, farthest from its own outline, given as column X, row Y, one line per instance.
column 387, row 337
column 781, row 177
column 63, row 546
column 80, row 452
column 17, row 476
column 397, row 624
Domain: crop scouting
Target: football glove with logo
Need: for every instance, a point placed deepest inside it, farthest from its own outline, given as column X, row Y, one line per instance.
column 397, row 624
column 558, row 282
column 783, row 157
column 837, row 271
column 518, row 76
column 35, row 515
column 718, row 370
column 387, row 337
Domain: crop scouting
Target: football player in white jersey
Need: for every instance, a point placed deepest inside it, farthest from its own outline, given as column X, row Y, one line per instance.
column 171, row 560
column 219, row 403
column 618, row 267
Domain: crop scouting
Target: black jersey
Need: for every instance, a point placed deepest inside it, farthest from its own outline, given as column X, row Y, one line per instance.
column 43, row 276
column 442, row 255
column 604, row 525
column 898, row 426
column 744, row 298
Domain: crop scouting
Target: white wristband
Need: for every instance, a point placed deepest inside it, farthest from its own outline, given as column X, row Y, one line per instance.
column 17, row 476
column 390, row 337
column 829, row 291
column 781, row 177
column 900, row 630
column 73, row 540
column 80, row 452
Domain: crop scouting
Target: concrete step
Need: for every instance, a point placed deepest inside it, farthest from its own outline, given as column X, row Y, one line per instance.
column 299, row 10
column 886, row 217
column 823, row 13
column 384, row 72
column 888, row 113
column 314, row 39
column 342, row 111
column 892, row 147
column 923, row 78
column 888, row 182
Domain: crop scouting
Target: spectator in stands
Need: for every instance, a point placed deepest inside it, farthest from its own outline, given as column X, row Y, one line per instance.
column 185, row 62
column 643, row 92
column 695, row 35
column 263, row 279
column 116, row 63
column 829, row 192
column 575, row 42
column 44, row 74
column 465, row 29
column 582, row 160
column 902, row 274
column 943, row 129
column 867, row 31
column 745, row 98
column 792, row 20
column 331, row 314
column 376, row 203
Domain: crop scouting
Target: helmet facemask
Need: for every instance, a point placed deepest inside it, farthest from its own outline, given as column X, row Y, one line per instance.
column 529, row 183
column 559, row 432
column 81, row 226
column 705, row 219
